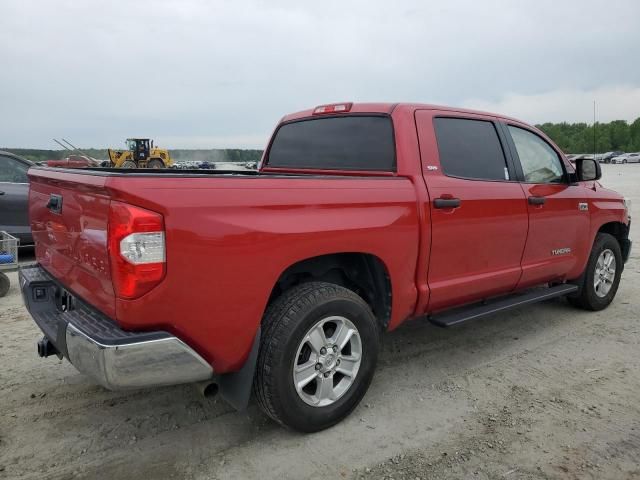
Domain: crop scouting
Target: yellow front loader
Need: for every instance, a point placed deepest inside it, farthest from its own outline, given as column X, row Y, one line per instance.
column 140, row 154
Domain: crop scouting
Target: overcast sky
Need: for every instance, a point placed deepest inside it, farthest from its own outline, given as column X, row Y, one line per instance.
column 220, row 74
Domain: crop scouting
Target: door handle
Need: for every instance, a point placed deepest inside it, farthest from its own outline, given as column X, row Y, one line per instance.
column 1, row 193
column 446, row 203
column 536, row 200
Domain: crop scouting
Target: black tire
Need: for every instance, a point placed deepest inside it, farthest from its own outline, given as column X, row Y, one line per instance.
column 155, row 163
column 129, row 164
column 4, row 284
column 586, row 297
column 284, row 326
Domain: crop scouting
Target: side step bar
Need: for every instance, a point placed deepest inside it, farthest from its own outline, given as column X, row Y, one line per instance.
column 475, row 311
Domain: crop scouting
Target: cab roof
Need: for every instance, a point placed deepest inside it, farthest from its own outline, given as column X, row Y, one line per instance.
column 388, row 108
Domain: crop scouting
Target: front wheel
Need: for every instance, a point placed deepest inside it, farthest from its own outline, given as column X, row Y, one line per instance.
column 155, row 164
column 600, row 281
column 317, row 356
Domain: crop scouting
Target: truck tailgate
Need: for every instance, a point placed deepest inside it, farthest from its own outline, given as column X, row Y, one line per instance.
column 69, row 218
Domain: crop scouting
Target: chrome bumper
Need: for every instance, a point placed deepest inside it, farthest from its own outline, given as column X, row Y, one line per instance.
column 96, row 346
column 150, row 363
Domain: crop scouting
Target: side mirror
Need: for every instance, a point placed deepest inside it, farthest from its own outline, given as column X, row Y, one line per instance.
column 588, row 169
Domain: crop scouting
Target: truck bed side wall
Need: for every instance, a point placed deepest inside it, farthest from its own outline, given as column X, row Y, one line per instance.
column 229, row 239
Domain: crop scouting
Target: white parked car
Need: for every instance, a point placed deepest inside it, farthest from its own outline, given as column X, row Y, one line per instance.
column 627, row 158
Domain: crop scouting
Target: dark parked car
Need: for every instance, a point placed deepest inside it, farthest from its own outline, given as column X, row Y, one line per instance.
column 14, row 193
column 606, row 157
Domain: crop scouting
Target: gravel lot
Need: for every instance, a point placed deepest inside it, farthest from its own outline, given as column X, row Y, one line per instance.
column 541, row 392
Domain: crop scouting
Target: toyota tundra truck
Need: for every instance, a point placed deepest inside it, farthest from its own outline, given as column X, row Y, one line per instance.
column 280, row 282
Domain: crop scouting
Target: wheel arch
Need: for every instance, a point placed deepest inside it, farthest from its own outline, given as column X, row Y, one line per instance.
column 620, row 231
column 364, row 273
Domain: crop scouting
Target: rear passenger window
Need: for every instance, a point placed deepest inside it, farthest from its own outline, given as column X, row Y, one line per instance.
column 470, row 149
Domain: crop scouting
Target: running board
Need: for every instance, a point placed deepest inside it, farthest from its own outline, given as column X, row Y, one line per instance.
column 475, row 311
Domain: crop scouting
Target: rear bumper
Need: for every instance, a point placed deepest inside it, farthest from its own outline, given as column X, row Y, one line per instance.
column 98, row 347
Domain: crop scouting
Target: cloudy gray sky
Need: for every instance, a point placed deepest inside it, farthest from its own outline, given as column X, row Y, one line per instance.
column 219, row 74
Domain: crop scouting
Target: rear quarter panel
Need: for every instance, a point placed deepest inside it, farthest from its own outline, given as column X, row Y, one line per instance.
column 229, row 239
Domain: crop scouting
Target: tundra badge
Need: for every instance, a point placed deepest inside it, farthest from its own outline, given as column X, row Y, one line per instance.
column 561, row 251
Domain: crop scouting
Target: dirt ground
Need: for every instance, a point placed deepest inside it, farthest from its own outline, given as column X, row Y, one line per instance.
column 541, row 392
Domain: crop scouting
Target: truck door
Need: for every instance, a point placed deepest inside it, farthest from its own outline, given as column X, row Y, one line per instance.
column 478, row 208
column 14, row 193
column 558, row 210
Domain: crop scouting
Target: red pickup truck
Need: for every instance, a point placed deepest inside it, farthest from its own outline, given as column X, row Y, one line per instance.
column 281, row 281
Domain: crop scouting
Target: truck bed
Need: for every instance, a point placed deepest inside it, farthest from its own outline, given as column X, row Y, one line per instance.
column 229, row 236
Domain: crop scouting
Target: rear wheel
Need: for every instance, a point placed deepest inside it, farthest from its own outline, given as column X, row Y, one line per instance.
column 128, row 164
column 317, row 356
column 600, row 281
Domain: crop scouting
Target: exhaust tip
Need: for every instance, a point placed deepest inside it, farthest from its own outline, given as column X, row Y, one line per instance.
column 208, row 389
column 46, row 348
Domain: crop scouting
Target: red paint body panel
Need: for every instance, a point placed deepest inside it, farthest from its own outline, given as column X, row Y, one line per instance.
column 71, row 162
column 73, row 246
column 229, row 238
column 555, row 225
column 470, row 258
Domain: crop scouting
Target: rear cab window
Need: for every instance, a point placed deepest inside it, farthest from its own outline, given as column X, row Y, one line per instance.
column 350, row 142
column 470, row 149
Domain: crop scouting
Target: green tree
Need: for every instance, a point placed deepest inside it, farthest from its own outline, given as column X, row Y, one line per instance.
column 578, row 137
column 634, row 135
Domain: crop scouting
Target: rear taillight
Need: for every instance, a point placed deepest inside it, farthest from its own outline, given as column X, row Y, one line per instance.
column 136, row 249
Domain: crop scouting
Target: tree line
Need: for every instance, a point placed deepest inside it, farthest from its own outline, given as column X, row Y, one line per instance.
column 578, row 137
column 178, row 155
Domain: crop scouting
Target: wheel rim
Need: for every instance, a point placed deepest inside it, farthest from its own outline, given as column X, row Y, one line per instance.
column 327, row 361
column 605, row 273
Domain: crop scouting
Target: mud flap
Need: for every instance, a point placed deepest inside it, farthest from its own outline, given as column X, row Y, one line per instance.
column 235, row 387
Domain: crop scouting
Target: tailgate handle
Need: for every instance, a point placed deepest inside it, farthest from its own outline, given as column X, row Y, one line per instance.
column 55, row 203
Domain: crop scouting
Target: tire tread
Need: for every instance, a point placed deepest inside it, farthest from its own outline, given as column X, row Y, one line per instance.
column 585, row 299
column 277, row 322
